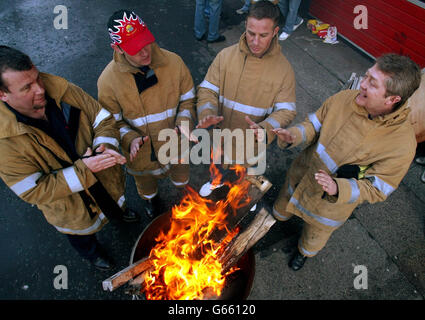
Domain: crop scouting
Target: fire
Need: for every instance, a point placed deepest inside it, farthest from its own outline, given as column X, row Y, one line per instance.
column 186, row 259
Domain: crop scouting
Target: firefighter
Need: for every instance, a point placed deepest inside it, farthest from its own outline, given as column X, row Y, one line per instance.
column 250, row 85
column 147, row 89
column 357, row 147
column 59, row 151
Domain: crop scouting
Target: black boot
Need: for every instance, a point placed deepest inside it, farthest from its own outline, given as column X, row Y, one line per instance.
column 130, row 216
column 153, row 207
column 297, row 261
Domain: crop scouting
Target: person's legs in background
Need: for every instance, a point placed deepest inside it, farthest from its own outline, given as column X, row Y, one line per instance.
column 245, row 7
column 214, row 21
column 289, row 9
column 200, row 23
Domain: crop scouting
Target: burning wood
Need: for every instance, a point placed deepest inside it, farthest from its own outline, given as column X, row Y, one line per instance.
column 192, row 259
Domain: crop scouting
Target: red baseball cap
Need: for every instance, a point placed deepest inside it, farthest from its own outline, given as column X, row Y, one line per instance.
column 128, row 31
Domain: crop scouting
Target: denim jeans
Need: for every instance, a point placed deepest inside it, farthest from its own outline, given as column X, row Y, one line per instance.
column 289, row 9
column 200, row 27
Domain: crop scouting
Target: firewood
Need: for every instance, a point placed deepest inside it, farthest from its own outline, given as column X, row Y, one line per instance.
column 244, row 241
column 126, row 274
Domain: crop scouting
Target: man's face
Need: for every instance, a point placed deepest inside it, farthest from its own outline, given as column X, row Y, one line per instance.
column 259, row 35
column 26, row 92
column 372, row 93
column 140, row 59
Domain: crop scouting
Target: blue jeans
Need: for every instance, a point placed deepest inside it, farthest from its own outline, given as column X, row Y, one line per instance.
column 246, row 5
column 289, row 9
column 214, row 19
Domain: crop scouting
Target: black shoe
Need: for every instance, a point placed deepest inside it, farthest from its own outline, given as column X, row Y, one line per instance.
column 297, row 261
column 153, row 207
column 130, row 216
column 219, row 39
column 204, row 37
column 102, row 263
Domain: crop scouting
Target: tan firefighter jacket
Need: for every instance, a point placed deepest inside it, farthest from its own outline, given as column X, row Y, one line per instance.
column 162, row 106
column 340, row 132
column 239, row 84
column 30, row 161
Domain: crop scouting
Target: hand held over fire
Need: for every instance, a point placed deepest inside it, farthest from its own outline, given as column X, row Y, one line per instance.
column 327, row 182
column 135, row 146
column 102, row 159
column 284, row 135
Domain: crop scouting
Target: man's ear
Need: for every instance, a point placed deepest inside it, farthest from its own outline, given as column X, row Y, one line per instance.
column 3, row 95
column 116, row 48
column 276, row 31
column 394, row 99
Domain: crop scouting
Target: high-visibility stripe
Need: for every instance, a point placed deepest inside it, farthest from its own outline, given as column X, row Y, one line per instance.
column 208, row 85
column 150, row 196
column 88, row 230
column 250, row 110
column 285, row 105
column 290, row 190
column 302, row 129
column 326, row 158
column 99, row 140
column 273, row 122
column 72, row 179
column 208, row 105
column 381, row 185
column 179, row 184
column 124, row 131
column 184, row 113
column 305, row 251
column 151, row 118
column 102, row 115
column 188, row 95
column 279, row 215
column 155, row 172
column 355, row 191
column 26, row 184
column 315, row 121
column 121, row 201
column 118, row 116
column 322, row 220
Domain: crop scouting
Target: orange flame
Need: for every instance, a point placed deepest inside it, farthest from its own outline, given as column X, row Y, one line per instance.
column 186, row 259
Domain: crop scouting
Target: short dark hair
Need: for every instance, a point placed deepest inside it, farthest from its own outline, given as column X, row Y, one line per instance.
column 264, row 10
column 12, row 59
column 404, row 76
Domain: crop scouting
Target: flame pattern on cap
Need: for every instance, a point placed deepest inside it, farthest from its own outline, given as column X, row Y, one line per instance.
column 121, row 26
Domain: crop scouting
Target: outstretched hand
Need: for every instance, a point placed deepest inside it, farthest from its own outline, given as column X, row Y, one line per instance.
column 284, row 135
column 209, row 121
column 327, row 182
column 135, row 146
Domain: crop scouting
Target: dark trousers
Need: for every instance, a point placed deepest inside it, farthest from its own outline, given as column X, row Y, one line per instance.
column 420, row 149
column 86, row 245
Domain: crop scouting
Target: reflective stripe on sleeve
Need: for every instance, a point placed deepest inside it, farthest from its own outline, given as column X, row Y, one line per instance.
column 315, row 121
column 184, row 113
column 381, row 185
column 72, row 179
column 355, row 191
column 285, row 105
column 273, row 122
column 124, row 131
column 188, row 95
column 302, row 129
column 208, row 105
column 118, row 116
column 326, row 158
column 26, row 184
column 99, row 140
column 208, row 85
column 249, row 110
column 102, row 115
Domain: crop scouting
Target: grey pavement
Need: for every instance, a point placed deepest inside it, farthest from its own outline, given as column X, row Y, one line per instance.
column 387, row 238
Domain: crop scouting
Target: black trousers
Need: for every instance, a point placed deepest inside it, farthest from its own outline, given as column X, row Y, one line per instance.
column 86, row 245
column 420, row 149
